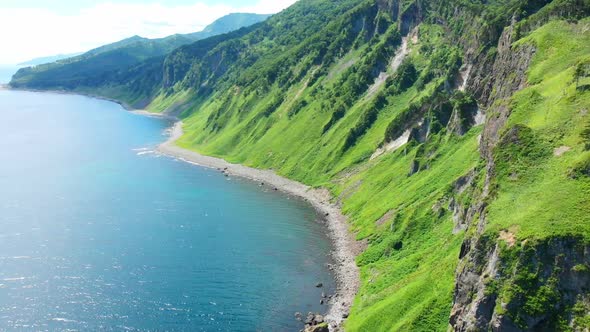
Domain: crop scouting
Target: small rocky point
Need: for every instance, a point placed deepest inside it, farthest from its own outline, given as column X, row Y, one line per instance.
column 315, row 323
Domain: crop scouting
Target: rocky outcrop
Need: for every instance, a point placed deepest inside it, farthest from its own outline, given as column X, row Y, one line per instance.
column 509, row 76
column 410, row 17
column 464, row 117
column 473, row 307
column 506, row 286
column 315, row 323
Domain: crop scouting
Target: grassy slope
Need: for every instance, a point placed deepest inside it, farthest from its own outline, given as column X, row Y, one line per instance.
column 540, row 199
column 408, row 269
column 412, row 285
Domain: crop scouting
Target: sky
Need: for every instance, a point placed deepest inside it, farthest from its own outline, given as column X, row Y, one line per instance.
column 38, row 28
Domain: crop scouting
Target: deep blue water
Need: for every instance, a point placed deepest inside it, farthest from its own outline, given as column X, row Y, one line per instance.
column 99, row 233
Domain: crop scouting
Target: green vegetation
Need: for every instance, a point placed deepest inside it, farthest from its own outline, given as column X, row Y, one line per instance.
column 538, row 200
column 549, row 114
column 109, row 69
column 315, row 101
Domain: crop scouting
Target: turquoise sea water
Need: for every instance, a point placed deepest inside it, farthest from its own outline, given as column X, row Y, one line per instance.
column 99, row 233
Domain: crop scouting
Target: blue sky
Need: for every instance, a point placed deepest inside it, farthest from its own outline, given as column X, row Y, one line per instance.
column 36, row 28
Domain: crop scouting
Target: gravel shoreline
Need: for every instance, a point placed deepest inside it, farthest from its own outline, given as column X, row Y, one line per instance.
column 345, row 247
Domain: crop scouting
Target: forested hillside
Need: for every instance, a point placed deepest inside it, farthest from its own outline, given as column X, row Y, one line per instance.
column 113, row 62
column 454, row 134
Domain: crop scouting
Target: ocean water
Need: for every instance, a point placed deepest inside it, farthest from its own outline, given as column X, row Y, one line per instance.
column 97, row 232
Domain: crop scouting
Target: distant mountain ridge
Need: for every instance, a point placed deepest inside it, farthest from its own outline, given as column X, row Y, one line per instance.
column 227, row 24
column 48, row 59
column 96, row 64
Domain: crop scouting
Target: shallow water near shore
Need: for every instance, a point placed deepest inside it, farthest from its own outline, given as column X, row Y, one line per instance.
column 99, row 232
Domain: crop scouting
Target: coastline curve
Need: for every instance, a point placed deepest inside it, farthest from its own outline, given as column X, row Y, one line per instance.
column 345, row 247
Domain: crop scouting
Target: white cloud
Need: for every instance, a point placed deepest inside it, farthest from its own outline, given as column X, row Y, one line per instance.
column 28, row 33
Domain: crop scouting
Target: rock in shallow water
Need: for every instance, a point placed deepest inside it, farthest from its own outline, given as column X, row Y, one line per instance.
column 323, row 327
column 315, row 323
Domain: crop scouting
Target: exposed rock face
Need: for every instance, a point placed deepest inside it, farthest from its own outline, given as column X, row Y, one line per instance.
column 472, row 308
column 544, row 279
column 420, row 132
column 562, row 279
column 496, row 78
column 410, row 17
column 462, row 215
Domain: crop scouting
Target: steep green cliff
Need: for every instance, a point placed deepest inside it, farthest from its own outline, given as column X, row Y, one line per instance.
column 454, row 134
